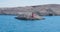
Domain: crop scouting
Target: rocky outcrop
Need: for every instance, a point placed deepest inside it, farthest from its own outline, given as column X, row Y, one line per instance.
column 42, row 10
column 29, row 17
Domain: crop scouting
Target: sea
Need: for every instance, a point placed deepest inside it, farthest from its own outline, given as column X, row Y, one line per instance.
column 8, row 23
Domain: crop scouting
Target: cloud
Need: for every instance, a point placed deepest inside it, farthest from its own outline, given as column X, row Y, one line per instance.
column 12, row 3
column 9, row 3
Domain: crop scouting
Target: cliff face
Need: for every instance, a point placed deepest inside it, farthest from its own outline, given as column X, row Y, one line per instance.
column 49, row 9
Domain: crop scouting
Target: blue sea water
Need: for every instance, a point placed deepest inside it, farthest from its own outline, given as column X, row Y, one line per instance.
column 10, row 24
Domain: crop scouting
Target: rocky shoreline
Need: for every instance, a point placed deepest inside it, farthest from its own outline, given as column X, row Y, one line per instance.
column 42, row 10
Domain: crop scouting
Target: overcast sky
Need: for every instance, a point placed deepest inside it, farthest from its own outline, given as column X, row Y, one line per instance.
column 15, row 3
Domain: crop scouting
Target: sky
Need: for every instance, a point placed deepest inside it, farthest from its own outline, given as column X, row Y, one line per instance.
column 19, row 3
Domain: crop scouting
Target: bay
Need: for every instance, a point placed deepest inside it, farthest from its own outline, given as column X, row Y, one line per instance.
column 10, row 24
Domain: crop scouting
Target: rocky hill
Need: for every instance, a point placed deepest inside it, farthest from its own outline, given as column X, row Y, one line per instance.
column 43, row 10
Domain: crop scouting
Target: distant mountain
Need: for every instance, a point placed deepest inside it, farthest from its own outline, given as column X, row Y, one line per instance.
column 44, row 10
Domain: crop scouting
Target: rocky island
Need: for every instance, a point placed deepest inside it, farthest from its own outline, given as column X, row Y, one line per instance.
column 31, row 16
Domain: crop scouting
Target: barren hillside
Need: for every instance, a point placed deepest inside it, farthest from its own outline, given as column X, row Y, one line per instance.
column 48, row 9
